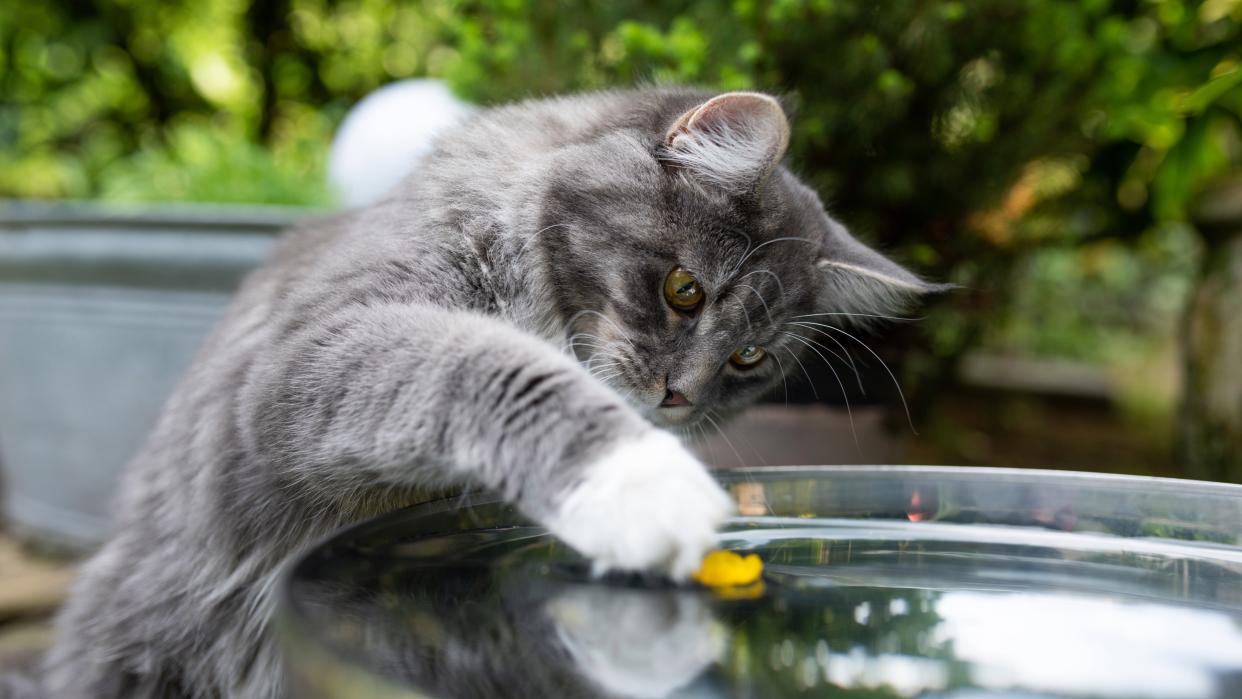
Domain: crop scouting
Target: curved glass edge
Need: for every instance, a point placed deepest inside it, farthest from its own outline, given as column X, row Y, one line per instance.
column 1117, row 506
column 1207, row 514
column 1111, row 504
column 1033, row 476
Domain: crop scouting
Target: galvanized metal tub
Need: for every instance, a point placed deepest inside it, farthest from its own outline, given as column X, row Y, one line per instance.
column 101, row 309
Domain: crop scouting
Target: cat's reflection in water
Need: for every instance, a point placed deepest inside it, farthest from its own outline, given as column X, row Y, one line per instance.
column 637, row 643
column 529, row 639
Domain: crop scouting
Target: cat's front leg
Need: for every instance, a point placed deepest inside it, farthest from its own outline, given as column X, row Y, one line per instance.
column 398, row 395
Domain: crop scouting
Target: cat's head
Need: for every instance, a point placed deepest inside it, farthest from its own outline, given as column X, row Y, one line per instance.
column 693, row 271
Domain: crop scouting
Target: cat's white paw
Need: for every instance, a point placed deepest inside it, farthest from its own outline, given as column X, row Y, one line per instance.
column 648, row 503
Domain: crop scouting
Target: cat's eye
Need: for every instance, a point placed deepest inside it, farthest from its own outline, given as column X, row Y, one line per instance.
column 682, row 290
column 747, row 356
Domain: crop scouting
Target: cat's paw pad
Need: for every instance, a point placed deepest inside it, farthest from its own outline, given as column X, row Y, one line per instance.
column 646, row 504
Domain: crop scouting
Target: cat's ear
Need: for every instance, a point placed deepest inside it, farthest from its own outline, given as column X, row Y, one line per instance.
column 861, row 280
column 732, row 141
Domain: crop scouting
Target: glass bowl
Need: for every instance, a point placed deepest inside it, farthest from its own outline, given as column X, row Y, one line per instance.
column 879, row 582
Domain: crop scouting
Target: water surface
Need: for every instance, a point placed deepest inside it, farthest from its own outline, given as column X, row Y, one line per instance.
column 878, row 583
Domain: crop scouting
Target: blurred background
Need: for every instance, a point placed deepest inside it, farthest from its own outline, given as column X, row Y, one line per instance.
column 1068, row 163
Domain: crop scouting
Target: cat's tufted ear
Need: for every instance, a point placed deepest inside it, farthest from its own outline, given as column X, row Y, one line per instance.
column 732, row 141
column 861, row 280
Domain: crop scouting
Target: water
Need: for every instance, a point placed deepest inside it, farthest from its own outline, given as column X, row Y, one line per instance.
column 908, row 583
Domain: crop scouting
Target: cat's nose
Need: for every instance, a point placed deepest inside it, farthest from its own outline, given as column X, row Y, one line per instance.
column 674, row 399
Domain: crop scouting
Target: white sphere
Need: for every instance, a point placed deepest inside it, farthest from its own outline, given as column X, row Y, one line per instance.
column 386, row 134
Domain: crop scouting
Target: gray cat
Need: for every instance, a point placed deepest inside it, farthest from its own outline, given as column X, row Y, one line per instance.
column 559, row 282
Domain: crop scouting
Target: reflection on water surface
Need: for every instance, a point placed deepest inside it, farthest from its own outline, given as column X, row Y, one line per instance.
column 1012, row 601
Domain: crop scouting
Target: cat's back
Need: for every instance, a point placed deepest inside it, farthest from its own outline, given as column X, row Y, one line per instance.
column 503, row 151
column 452, row 234
column 433, row 237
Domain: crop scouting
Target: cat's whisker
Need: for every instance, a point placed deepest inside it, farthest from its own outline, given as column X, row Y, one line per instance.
column 761, row 300
column 604, row 350
column 625, row 392
column 892, row 376
column 625, row 336
column 706, row 445
column 750, row 329
column 629, row 394
column 535, row 236
column 706, row 440
column 805, row 373
column 596, row 354
column 784, row 381
column 572, row 340
column 761, row 246
column 610, row 371
column 750, row 243
column 844, row 395
column 770, row 273
column 860, row 315
column 707, row 414
column 593, row 368
column 550, row 227
column 749, row 477
column 601, row 354
column 847, row 358
column 745, row 442
column 597, row 349
column 593, row 361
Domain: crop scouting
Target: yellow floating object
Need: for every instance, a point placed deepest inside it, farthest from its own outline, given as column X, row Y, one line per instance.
column 728, row 569
column 754, row 590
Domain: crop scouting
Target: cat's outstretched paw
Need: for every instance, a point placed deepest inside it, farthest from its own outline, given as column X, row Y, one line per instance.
column 646, row 504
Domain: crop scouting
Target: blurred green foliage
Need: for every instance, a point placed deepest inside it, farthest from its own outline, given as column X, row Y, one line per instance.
column 1052, row 142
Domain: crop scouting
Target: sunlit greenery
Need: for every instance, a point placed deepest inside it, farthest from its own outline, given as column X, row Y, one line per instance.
column 1053, row 142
